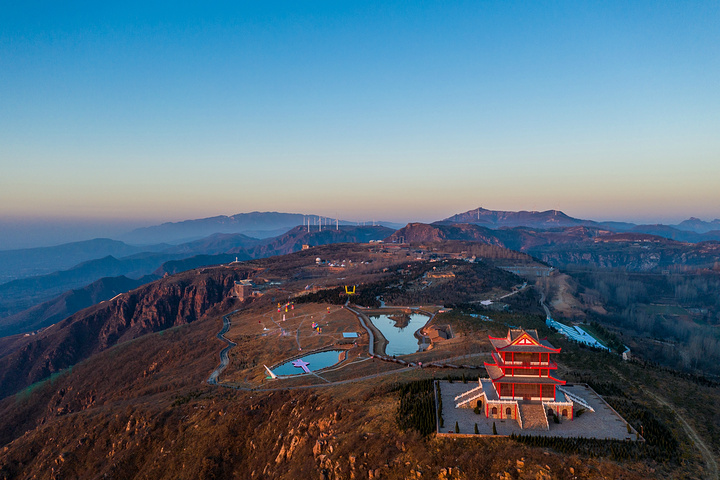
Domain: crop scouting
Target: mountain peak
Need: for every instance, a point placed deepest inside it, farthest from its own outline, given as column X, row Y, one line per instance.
column 500, row 218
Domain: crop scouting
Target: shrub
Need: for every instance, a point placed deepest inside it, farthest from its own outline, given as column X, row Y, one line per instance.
column 416, row 409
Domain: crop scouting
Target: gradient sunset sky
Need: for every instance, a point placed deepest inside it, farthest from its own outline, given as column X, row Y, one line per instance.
column 148, row 112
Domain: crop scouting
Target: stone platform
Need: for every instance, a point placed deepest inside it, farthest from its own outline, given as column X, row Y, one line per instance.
column 604, row 423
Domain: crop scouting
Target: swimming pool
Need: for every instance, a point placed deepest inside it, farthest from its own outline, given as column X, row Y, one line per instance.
column 315, row 361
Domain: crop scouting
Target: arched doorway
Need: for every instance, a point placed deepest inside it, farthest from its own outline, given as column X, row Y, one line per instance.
column 508, row 411
column 494, row 410
column 564, row 412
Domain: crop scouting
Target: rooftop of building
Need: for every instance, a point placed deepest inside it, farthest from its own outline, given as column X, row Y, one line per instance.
column 523, row 341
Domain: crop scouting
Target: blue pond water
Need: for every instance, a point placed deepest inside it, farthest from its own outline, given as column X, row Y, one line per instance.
column 401, row 341
column 316, row 361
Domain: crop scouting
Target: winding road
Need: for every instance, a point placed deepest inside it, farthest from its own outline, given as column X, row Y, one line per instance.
column 362, row 317
column 224, row 359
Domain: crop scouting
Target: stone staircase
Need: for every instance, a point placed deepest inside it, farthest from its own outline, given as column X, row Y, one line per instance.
column 533, row 416
column 469, row 396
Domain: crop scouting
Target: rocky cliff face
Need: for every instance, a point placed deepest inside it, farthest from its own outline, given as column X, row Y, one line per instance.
column 642, row 256
column 68, row 303
column 165, row 303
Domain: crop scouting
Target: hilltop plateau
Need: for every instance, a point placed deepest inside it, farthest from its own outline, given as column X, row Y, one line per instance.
column 122, row 390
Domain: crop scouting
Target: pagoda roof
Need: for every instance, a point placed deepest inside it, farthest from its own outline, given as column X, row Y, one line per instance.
column 497, row 376
column 522, row 341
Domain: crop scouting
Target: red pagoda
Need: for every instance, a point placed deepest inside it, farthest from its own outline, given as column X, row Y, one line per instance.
column 521, row 383
column 522, row 366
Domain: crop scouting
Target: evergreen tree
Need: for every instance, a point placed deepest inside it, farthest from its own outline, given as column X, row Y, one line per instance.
column 476, row 430
column 494, row 429
column 457, row 427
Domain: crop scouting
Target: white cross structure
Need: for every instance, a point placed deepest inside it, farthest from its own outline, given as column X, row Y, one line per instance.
column 300, row 363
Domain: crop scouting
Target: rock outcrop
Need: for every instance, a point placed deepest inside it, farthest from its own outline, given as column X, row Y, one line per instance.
column 153, row 307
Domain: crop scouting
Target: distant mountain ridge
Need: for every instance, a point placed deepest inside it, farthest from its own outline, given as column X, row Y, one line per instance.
column 42, row 260
column 696, row 225
column 498, row 218
column 691, row 230
column 257, row 223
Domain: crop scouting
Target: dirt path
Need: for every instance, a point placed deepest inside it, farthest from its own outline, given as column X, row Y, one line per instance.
column 705, row 452
column 542, row 302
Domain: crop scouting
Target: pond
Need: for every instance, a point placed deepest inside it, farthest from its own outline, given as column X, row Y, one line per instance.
column 315, row 361
column 401, row 340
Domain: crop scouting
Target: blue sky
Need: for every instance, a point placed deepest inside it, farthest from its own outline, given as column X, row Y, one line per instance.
column 396, row 110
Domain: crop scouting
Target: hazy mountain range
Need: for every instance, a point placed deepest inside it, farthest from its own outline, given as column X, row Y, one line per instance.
column 258, row 225
column 46, row 284
column 33, row 302
column 690, row 230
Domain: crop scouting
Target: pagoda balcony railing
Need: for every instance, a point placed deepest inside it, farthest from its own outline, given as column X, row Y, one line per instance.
column 508, row 363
